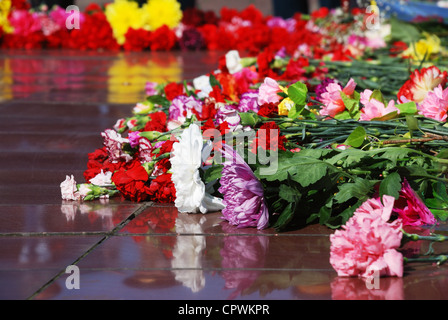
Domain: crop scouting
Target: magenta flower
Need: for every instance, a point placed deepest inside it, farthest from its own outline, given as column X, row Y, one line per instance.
column 411, row 209
column 134, row 138
column 243, row 193
column 368, row 243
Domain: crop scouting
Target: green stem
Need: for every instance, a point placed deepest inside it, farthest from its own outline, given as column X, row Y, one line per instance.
column 440, row 259
column 432, row 237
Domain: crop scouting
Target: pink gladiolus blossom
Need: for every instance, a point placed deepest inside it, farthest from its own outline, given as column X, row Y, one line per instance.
column 268, row 91
column 368, row 243
column 243, row 193
column 411, row 209
column 332, row 99
column 374, row 108
column 435, row 105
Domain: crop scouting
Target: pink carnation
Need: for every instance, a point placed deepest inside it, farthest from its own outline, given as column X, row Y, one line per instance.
column 374, row 108
column 332, row 99
column 367, row 243
column 267, row 93
column 435, row 105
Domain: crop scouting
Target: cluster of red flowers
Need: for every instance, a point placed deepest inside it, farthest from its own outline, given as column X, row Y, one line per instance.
column 130, row 176
column 247, row 30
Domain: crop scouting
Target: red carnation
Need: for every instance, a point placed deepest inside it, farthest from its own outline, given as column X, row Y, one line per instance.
column 95, row 33
column 211, row 36
column 295, row 69
column 227, row 14
column 167, row 146
column 99, row 160
column 320, row 13
column 268, row 139
column 264, row 60
column 163, row 38
column 268, row 110
column 132, row 182
column 173, row 89
column 252, row 14
column 137, row 39
column 157, row 122
column 162, row 189
column 20, row 5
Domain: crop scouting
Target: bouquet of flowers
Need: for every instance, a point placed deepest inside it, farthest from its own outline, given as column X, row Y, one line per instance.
column 278, row 140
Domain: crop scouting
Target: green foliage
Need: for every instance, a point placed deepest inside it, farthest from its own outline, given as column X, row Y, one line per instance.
column 327, row 185
column 298, row 92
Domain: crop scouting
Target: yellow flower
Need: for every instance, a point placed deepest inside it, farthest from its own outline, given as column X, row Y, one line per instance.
column 424, row 47
column 285, row 106
column 122, row 15
column 157, row 13
column 5, row 7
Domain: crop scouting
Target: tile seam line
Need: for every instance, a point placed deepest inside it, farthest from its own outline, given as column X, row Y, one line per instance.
column 221, row 234
column 87, row 252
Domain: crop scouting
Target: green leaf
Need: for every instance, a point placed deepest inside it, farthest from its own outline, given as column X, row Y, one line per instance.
column 347, row 157
column 213, row 173
column 357, row 137
column 412, row 123
column 295, row 111
column 440, row 192
column 214, row 81
column 344, row 115
column 440, row 214
column 391, row 186
column 249, row 118
column 303, row 170
column 288, row 193
column 286, row 216
column 407, row 108
column 352, row 105
column 297, row 92
column 325, row 212
column 378, row 95
column 158, row 99
column 358, row 189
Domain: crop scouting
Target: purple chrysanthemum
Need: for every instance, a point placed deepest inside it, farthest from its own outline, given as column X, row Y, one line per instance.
column 243, row 193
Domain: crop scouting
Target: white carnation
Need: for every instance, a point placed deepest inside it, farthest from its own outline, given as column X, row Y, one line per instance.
column 186, row 159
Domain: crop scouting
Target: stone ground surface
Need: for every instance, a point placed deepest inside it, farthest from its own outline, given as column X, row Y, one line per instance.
column 53, row 106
